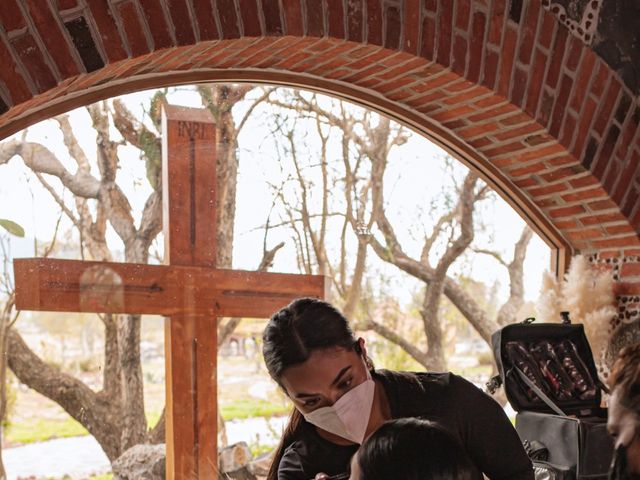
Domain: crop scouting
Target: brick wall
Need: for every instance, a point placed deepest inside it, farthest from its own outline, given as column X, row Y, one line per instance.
column 499, row 83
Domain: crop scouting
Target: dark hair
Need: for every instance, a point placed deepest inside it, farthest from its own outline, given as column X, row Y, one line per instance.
column 413, row 449
column 625, row 377
column 291, row 335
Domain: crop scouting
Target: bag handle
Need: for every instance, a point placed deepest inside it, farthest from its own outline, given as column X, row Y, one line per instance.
column 543, row 396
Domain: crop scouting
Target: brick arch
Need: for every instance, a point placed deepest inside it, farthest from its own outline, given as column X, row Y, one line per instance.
column 500, row 83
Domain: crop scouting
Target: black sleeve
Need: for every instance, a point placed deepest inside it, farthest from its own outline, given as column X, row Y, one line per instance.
column 489, row 437
column 290, row 467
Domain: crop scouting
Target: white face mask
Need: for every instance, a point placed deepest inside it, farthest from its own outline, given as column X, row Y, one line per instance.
column 349, row 416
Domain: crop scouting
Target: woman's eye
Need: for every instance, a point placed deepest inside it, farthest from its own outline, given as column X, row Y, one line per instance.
column 311, row 403
column 346, row 384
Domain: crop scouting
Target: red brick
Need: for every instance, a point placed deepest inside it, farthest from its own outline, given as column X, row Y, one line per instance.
column 109, row 35
column 568, row 130
column 393, row 23
column 579, row 90
column 464, row 97
column 540, row 153
column 573, row 54
column 507, row 58
column 154, row 15
column 133, row 29
column 462, row 14
column 11, row 16
column 586, row 116
column 627, row 288
column 490, row 69
column 562, row 97
column 206, row 21
column 548, row 190
column 632, row 252
column 617, row 242
column 630, row 172
column 336, row 18
column 504, row 149
column 620, row 229
column 445, row 19
column 566, row 211
column 459, row 54
column 602, row 205
column 67, row 4
column 475, row 130
column 606, row 150
column 181, row 19
column 53, row 38
column 520, row 78
column 602, row 218
column 601, row 78
column 536, row 77
column 585, row 234
column 556, row 56
column 476, row 45
column 411, row 24
column 402, row 70
column 374, row 22
column 609, row 254
column 547, row 28
column 525, row 182
column 584, row 181
column 528, row 32
column 498, row 14
column 16, row 84
column 566, row 224
column 607, row 104
column 251, row 18
column 292, row 17
column 546, row 203
column 630, row 130
column 560, row 173
column 479, row 143
column 518, row 132
column 490, row 101
column 528, row 170
column 228, row 18
column 591, row 194
column 516, row 118
column 453, row 113
column 34, row 62
column 355, row 11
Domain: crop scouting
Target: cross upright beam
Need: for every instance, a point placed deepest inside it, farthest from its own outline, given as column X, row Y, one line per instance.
column 189, row 290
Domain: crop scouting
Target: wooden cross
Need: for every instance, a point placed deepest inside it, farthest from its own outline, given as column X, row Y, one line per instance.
column 189, row 290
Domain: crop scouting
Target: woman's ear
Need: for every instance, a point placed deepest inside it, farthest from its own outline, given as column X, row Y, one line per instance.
column 360, row 347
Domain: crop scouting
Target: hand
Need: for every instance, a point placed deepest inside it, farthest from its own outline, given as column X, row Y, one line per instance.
column 321, row 476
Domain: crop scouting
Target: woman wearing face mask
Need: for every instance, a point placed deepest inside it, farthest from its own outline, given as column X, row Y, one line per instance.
column 624, row 414
column 340, row 399
column 411, row 449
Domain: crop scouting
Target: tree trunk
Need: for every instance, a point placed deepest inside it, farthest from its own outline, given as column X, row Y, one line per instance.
column 430, row 314
column 94, row 411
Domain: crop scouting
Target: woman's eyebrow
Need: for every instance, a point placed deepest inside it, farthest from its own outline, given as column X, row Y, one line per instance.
column 340, row 375
column 335, row 381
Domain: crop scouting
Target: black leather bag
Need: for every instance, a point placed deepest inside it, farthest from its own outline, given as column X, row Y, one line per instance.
column 551, row 381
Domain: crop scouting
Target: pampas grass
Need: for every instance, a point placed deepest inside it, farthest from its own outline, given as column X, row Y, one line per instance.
column 587, row 294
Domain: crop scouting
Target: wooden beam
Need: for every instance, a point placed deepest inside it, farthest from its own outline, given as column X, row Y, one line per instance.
column 108, row 287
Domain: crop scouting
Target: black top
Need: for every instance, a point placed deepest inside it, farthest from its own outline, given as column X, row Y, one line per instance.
column 477, row 420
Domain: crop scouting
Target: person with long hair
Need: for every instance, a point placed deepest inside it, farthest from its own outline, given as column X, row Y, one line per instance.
column 411, row 449
column 623, row 421
column 340, row 399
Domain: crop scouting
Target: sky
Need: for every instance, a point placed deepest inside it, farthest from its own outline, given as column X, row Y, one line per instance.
column 414, row 176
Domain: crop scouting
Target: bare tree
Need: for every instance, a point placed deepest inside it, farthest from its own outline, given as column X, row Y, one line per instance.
column 366, row 142
column 115, row 414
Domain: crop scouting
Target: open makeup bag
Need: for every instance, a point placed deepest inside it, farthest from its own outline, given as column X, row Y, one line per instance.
column 551, row 380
